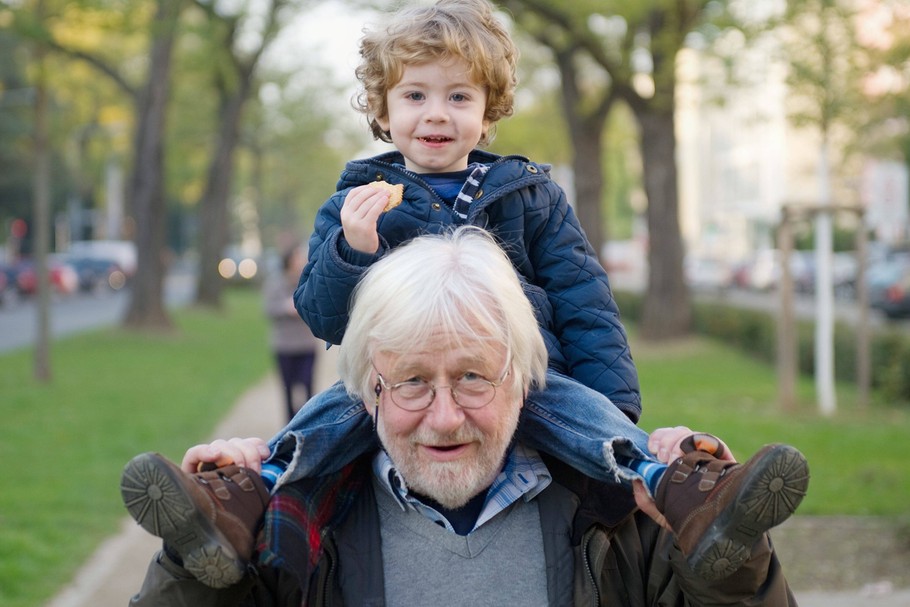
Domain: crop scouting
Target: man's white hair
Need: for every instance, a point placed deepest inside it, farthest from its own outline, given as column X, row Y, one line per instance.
column 459, row 284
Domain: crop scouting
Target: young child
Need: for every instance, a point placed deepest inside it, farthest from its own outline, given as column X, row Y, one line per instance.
column 436, row 80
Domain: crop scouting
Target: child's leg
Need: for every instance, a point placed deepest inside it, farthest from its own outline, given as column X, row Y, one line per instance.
column 328, row 432
column 718, row 509
column 208, row 520
column 585, row 429
column 211, row 530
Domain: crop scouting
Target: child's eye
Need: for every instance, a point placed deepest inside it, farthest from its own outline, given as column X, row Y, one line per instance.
column 459, row 97
column 415, row 96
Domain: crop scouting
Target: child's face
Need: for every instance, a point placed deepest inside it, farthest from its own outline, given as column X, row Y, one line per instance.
column 436, row 116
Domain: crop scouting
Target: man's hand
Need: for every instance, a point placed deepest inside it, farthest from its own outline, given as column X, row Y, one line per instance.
column 665, row 444
column 246, row 452
column 359, row 214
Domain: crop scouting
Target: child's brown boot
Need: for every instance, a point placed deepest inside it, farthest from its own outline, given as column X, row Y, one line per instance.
column 208, row 519
column 719, row 509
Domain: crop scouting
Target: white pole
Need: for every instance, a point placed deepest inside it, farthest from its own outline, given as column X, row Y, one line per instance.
column 824, row 291
column 113, row 181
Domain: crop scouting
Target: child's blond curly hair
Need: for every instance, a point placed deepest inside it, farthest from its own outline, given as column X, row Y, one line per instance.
column 462, row 29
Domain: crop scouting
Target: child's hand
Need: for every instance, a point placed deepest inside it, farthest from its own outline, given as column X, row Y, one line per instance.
column 665, row 444
column 359, row 214
column 246, row 452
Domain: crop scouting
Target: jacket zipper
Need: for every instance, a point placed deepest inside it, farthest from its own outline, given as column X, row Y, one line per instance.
column 391, row 168
column 328, row 548
column 589, row 570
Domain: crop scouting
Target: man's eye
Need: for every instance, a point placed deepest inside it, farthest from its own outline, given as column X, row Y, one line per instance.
column 470, row 376
column 412, row 388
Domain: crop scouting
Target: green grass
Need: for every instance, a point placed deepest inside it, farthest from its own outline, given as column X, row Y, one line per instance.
column 856, row 457
column 116, row 394
column 113, row 394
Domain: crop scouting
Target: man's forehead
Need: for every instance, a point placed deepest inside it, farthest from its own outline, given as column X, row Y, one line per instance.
column 448, row 352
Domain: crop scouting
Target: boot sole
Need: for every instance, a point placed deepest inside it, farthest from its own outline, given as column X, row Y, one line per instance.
column 771, row 492
column 156, row 499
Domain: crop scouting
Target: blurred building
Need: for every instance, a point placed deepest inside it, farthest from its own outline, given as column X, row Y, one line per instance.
column 741, row 159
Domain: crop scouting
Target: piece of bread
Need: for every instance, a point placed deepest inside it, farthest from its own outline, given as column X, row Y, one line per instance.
column 396, row 191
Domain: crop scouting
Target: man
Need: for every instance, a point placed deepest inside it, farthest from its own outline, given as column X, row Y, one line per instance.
column 442, row 346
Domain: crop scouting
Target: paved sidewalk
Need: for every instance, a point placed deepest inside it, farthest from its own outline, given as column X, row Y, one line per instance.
column 873, row 596
column 116, row 570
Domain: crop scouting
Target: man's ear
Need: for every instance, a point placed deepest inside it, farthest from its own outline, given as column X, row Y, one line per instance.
column 372, row 406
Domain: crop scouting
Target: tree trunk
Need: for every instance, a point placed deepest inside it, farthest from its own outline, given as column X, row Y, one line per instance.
column 146, row 188
column 585, row 134
column 213, row 209
column 215, row 204
column 587, row 167
column 41, row 180
column 667, row 312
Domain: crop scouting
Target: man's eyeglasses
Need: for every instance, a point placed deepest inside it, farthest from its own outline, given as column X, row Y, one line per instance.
column 469, row 391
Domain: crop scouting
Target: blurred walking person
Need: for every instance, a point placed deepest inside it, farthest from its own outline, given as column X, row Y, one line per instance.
column 292, row 341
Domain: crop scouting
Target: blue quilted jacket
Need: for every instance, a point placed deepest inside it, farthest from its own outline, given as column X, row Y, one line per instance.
column 528, row 214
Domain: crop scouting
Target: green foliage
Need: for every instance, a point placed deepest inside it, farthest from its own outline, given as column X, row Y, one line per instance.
column 537, row 132
column 93, row 113
column 755, row 333
column 15, row 129
column 883, row 128
column 844, row 239
column 822, row 63
column 16, row 137
column 296, row 148
column 745, row 329
column 113, row 395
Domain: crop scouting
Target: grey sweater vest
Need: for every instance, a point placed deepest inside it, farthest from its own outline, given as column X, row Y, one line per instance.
column 500, row 563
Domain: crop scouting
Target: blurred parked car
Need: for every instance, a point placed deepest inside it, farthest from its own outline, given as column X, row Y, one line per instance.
column 121, row 252
column 843, row 273
column 888, row 281
column 764, row 270
column 704, row 274
column 63, row 277
column 739, row 275
column 239, row 266
column 96, row 273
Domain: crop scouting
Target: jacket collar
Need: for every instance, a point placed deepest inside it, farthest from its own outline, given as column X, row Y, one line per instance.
column 607, row 505
column 382, row 166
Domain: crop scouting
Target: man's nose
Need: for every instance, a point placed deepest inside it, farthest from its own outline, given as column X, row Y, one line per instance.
column 444, row 413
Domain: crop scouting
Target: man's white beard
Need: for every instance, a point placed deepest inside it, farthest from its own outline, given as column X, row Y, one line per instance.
column 451, row 484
